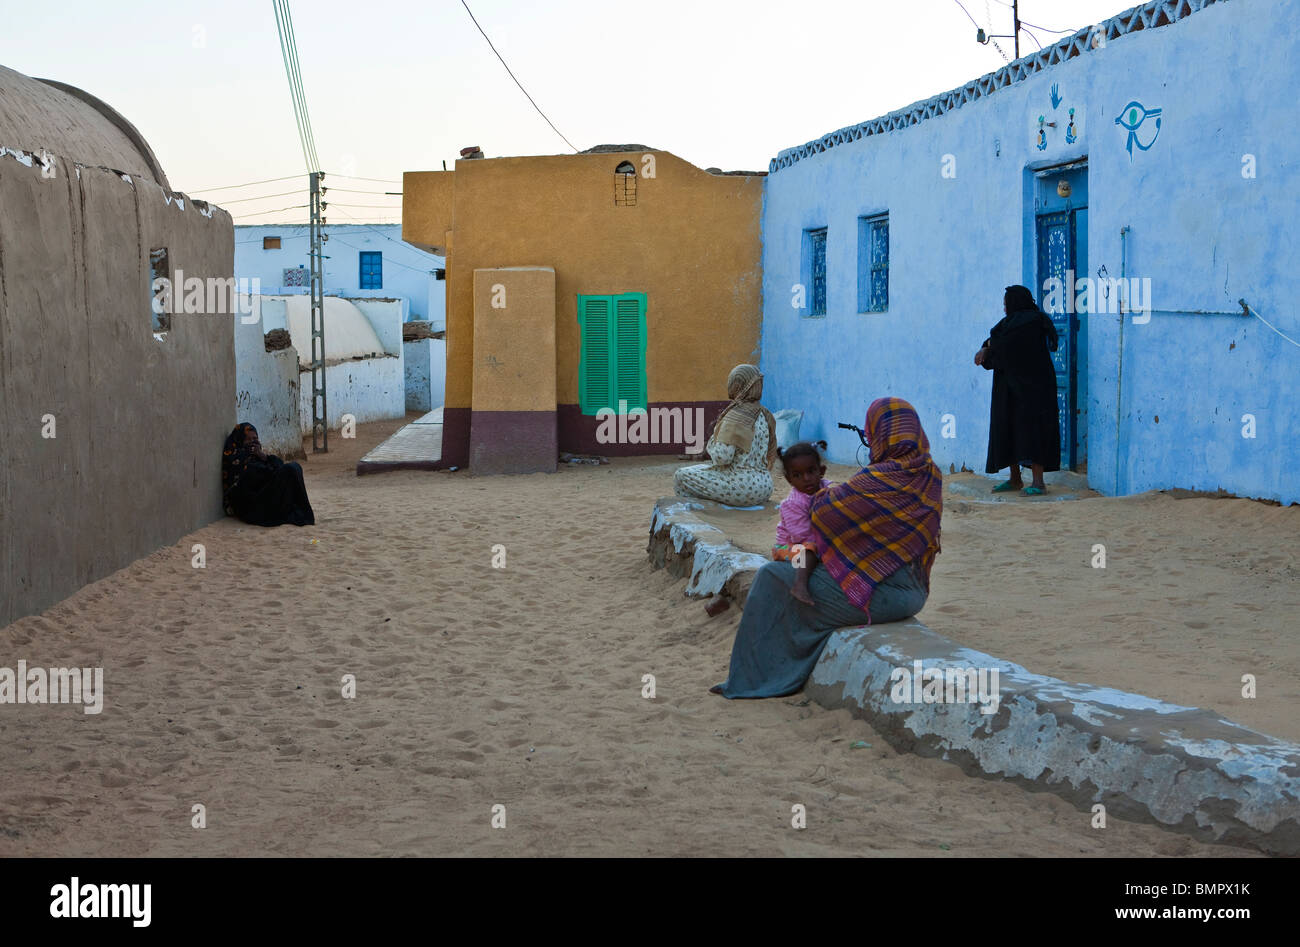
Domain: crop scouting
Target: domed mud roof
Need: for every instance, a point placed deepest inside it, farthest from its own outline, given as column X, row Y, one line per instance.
column 348, row 333
column 42, row 114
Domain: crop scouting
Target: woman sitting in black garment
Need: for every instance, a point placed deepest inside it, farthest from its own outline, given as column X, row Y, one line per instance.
column 261, row 488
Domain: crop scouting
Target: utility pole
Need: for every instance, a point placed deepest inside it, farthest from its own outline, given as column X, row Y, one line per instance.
column 319, row 428
column 1015, row 15
column 985, row 38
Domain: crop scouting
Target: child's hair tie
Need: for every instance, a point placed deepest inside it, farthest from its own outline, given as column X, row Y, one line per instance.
column 802, row 449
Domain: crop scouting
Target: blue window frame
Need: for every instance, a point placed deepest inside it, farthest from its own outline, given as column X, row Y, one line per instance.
column 873, row 263
column 372, row 269
column 815, row 270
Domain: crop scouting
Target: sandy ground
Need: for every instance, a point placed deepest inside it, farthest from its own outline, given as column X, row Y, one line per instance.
column 521, row 686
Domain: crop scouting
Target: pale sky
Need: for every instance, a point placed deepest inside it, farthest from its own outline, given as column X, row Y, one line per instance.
column 403, row 86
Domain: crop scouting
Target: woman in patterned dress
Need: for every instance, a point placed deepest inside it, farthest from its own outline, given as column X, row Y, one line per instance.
column 742, row 448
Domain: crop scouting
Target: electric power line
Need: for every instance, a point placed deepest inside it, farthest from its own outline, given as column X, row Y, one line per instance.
column 227, row 187
column 388, row 260
column 353, row 177
column 288, row 52
column 1045, row 29
column 275, row 211
column 293, row 92
column 349, row 190
column 968, row 16
column 512, row 76
column 241, row 200
column 1024, row 24
column 372, row 230
column 361, row 224
column 336, row 237
column 302, row 92
column 283, row 226
column 297, row 74
column 1009, row 6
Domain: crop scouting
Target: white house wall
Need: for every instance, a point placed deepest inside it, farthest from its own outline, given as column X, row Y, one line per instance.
column 426, row 374
column 369, row 389
column 407, row 271
column 267, row 383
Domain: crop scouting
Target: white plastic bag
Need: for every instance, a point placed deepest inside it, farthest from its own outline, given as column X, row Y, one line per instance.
column 787, row 427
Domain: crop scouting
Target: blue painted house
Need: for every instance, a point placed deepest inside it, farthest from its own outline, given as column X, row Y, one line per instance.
column 1140, row 176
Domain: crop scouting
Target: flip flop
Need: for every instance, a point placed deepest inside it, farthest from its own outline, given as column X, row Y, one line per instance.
column 1005, row 486
column 1033, row 491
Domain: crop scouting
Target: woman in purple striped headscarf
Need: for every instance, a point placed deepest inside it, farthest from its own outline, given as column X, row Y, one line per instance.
column 877, row 536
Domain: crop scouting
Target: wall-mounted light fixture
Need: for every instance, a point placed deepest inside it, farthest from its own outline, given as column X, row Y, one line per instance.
column 983, row 38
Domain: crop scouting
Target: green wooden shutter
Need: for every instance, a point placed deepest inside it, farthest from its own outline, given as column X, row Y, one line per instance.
column 612, row 363
column 629, row 346
column 595, row 365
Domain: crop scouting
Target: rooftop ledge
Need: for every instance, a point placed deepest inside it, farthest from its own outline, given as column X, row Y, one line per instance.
column 1151, row 15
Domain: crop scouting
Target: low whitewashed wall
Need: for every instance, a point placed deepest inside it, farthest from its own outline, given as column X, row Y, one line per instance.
column 1183, row 768
column 369, row 389
column 267, row 383
column 426, row 373
column 275, row 387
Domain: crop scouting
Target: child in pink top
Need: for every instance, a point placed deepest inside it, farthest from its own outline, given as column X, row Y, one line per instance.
column 805, row 473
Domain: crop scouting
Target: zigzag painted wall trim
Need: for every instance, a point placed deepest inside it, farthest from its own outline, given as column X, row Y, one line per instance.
column 1150, row 15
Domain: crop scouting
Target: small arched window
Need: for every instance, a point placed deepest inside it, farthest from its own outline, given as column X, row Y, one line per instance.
column 625, row 185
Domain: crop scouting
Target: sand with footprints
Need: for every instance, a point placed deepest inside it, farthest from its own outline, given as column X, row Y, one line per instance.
column 522, row 687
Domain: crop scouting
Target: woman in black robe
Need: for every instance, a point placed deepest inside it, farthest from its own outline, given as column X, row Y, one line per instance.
column 260, row 488
column 1024, row 424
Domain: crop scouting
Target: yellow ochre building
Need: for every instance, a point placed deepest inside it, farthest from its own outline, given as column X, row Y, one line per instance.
column 615, row 279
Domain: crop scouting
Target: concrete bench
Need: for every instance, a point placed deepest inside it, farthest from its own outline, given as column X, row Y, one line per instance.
column 1183, row 768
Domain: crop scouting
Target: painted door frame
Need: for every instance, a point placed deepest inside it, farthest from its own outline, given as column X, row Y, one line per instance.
column 1063, row 219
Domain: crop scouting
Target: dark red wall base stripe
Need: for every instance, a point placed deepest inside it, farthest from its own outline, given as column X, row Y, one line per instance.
column 575, row 432
column 511, row 442
column 578, row 430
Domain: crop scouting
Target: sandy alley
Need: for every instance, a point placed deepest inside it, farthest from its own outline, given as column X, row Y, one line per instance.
column 521, row 687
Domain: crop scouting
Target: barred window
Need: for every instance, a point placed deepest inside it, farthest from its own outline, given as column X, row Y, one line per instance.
column 814, row 268
column 625, row 185
column 873, row 263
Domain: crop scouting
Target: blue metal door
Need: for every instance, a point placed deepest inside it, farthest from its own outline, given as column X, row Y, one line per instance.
column 1055, row 261
column 1079, row 343
column 1062, row 258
